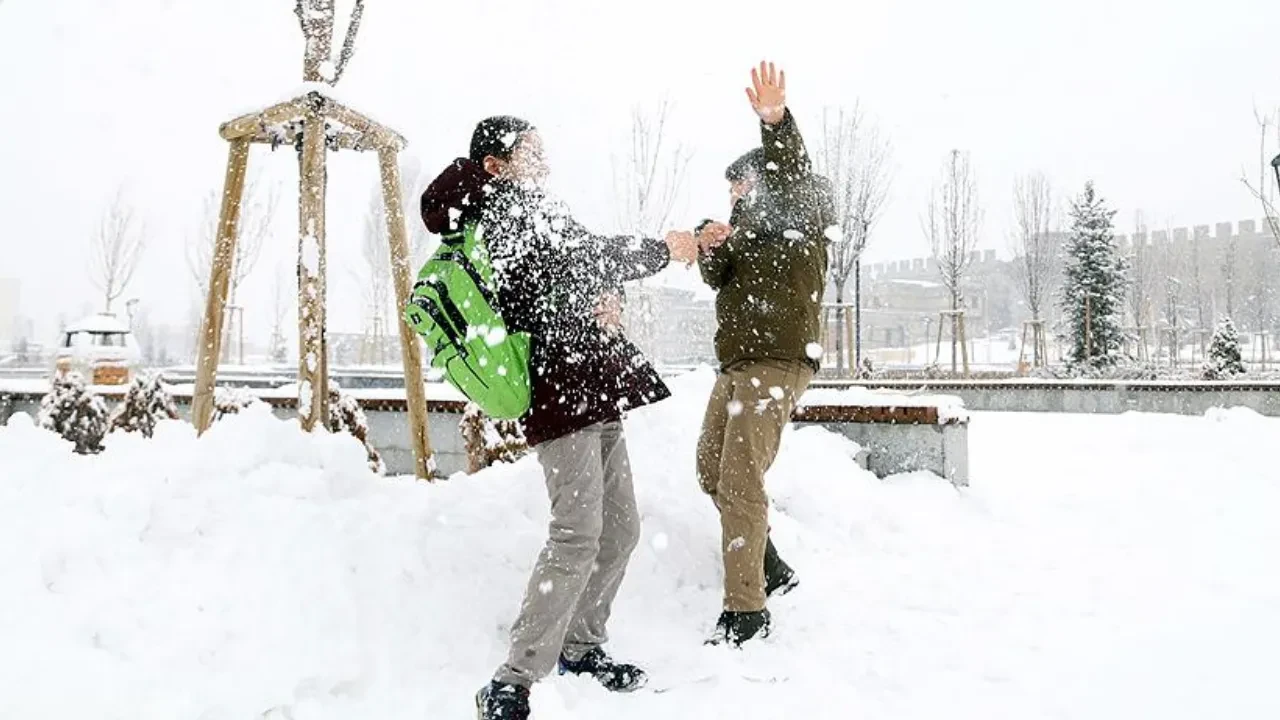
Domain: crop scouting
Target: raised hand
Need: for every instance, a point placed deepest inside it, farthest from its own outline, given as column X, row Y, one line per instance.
column 683, row 246
column 768, row 93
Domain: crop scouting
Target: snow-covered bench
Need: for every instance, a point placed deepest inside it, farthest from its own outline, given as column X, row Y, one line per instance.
column 898, row 432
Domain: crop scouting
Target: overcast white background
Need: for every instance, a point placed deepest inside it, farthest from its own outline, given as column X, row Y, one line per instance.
column 1152, row 100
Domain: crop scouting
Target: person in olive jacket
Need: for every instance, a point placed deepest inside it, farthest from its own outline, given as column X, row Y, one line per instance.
column 561, row 283
column 768, row 267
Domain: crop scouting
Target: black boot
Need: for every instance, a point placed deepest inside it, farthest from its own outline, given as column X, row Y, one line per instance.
column 735, row 628
column 500, row 701
column 779, row 578
column 615, row 676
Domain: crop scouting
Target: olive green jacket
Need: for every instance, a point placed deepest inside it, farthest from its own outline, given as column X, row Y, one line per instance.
column 771, row 272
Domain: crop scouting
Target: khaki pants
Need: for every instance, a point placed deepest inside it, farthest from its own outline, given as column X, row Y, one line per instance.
column 749, row 406
column 594, row 528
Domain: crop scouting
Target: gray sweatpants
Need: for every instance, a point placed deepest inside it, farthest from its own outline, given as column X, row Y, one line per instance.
column 594, row 528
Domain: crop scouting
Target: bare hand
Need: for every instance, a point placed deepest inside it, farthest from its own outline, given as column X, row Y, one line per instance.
column 713, row 235
column 608, row 312
column 768, row 93
column 683, row 246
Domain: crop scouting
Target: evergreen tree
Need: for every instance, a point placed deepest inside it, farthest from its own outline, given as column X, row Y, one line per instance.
column 73, row 411
column 147, row 403
column 1093, row 292
column 1225, row 360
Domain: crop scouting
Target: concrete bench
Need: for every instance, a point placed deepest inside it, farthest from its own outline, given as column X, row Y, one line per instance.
column 899, row 433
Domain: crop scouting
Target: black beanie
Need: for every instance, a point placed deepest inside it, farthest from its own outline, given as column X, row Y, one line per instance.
column 752, row 163
column 497, row 136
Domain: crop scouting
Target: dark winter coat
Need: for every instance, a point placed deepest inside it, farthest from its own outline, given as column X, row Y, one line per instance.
column 771, row 274
column 551, row 272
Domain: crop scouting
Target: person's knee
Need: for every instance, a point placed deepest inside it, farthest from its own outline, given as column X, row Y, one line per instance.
column 577, row 543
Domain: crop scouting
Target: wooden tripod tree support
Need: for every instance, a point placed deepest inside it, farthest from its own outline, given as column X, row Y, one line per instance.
column 1039, row 345
column 315, row 123
column 957, row 336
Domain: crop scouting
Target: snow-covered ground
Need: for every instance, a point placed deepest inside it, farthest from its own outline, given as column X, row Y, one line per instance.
column 1099, row 567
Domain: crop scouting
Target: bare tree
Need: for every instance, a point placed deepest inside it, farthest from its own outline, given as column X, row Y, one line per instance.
column 1143, row 270
column 649, row 178
column 282, row 289
column 1264, row 187
column 1035, row 248
column 375, row 276
column 115, row 250
column 316, row 17
column 854, row 156
column 257, row 214
column 951, row 224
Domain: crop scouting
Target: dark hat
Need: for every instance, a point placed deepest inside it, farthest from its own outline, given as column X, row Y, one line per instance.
column 752, row 163
column 497, row 136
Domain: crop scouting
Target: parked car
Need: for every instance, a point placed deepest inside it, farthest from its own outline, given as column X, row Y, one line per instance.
column 101, row 348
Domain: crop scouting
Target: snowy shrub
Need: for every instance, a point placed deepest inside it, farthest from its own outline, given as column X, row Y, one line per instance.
column 346, row 415
column 145, row 405
column 489, row 441
column 1123, row 371
column 75, row 413
column 231, row 400
column 1224, row 352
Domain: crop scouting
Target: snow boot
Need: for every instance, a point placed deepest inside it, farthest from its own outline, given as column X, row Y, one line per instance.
column 502, row 701
column 615, row 676
column 779, row 578
column 735, row 628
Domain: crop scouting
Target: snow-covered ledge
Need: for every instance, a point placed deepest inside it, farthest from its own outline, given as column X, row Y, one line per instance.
column 900, row 432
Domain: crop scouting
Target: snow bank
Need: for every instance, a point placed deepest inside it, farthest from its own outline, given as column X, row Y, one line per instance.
column 261, row 572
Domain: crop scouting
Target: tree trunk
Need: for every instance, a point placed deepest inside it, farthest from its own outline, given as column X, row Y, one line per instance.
column 955, row 307
column 857, row 313
column 840, row 325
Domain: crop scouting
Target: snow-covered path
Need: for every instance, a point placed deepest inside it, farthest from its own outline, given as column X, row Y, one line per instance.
column 1100, row 567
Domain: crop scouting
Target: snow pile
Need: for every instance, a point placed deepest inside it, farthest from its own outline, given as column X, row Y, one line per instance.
column 261, row 572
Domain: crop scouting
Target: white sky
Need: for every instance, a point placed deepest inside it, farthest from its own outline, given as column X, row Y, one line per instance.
column 1153, row 100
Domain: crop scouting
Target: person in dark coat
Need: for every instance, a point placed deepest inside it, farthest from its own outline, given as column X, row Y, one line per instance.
column 562, row 284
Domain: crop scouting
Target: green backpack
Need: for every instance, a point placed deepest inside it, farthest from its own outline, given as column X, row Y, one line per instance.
column 454, row 307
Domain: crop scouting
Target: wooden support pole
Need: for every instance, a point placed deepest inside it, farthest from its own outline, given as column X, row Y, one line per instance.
column 210, row 340
column 254, row 123
column 313, row 378
column 850, row 352
column 410, row 349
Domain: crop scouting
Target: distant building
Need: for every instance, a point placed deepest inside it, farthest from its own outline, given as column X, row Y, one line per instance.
column 10, row 309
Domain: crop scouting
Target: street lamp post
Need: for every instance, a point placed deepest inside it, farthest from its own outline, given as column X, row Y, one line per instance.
column 1275, row 165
